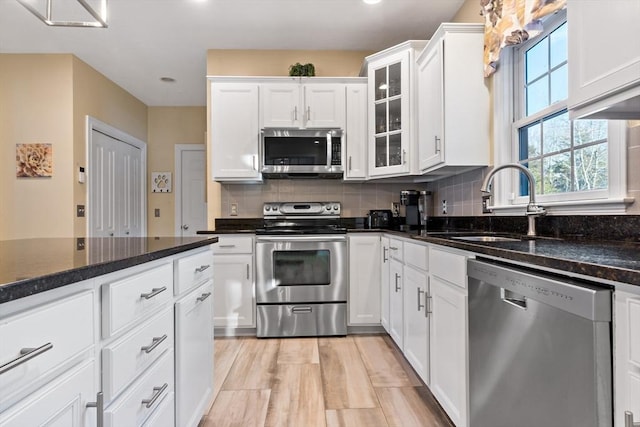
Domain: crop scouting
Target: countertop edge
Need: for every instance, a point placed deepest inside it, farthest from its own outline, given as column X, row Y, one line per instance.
column 27, row 287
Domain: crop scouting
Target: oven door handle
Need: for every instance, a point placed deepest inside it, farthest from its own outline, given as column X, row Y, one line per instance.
column 301, row 239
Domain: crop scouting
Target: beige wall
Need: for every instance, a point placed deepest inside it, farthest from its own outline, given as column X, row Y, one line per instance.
column 469, row 12
column 36, row 106
column 169, row 126
column 96, row 96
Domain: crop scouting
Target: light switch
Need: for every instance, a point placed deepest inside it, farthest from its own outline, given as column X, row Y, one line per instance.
column 156, row 213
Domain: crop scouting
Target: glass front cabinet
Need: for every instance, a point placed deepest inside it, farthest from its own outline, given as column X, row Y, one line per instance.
column 392, row 130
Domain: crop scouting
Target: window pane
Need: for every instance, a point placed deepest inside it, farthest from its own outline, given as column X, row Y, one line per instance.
column 395, row 149
column 557, row 174
column 558, row 45
column 538, row 95
column 591, row 167
column 381, row 83
column 559, row 84
column 556, row 133
column 381, row 151
column 585, row 131
column 395, row 79
column 381, row 117
column 534, row 168
column 537, row 59
column 530, row 141
column 395, row 114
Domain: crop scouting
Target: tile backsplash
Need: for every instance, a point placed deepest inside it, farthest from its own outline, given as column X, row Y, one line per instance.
column 356, row 198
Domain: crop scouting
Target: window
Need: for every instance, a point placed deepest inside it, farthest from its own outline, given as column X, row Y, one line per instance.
column 575, row 162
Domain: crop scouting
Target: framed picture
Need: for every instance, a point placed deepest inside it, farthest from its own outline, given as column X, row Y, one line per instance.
column 34, row 160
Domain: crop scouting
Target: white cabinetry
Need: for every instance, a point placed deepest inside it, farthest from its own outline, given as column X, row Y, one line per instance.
column 449, row 333
column 364, row 281
column 355, row 164
column 607, row 84
column 396, row 286
column 392, row 109
column 306, row 105
column 235, row 131
column 233, row 283
column 384, row 283
column 453, row 101
column 627, row 356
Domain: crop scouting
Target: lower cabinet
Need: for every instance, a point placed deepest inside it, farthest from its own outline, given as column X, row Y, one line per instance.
column 627, row 358
column 416, row 320
column 396, row 302
column 384, row 283
column 364, row 289
column 194, row 355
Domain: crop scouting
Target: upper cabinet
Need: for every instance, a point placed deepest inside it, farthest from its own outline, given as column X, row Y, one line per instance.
column 235, row 131
column 604, row 59
column 453, row 102
column 303, row 105
column 355, row 165
column 392, row 102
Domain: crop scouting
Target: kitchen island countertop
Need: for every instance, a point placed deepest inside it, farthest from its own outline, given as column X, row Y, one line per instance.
column 31, row 266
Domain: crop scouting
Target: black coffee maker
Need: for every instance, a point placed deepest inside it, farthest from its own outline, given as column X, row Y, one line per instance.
column 409, row 199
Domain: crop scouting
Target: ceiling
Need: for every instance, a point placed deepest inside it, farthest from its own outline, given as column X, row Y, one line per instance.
column 149, row 39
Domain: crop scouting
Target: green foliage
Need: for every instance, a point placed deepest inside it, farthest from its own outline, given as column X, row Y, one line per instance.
column 299, row 70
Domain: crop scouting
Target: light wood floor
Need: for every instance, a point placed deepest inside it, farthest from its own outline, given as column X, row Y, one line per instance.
column 307, row 382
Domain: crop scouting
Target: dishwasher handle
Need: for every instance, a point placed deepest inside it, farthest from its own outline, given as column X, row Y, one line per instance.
column 510, row 297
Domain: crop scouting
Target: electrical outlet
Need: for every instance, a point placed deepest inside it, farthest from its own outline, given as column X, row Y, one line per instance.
column 395, row 208
column 234, row 209
column 156, row 213
column 444, row 207
column 80, row 244
column 486, row 202
column 80, row 211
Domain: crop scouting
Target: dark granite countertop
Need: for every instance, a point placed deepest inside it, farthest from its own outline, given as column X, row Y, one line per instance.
column 30, row 266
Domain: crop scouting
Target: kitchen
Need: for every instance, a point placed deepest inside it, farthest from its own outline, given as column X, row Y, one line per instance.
column 149, row 124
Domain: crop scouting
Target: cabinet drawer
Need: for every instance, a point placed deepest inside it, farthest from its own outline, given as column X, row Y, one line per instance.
column 130, row 299
column 57, row 333
column 449, row 266
column 233, row 245
column 144, row 396
column 396, row 249
column 416, row 256
column 193, row 270
column 124, row 360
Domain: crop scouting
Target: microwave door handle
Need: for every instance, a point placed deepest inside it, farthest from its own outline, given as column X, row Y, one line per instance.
column 329, row 150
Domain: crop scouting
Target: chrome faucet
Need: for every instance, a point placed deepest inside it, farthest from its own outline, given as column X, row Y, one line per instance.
column 533, row 210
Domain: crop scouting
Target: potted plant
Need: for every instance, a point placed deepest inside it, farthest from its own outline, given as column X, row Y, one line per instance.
column 300, row 70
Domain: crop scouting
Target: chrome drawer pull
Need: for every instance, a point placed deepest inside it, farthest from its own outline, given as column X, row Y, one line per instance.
column 154, row 343
column 202, row 268
column 628, row 420
column 397, row 287
column 99, row 405
column 393, row 248
column 153, row 293
column 203, row 296
column 227, row 246
column 301, row 309
column 428, row 311
column 384, row 254
column 157, row 392
column 420, row 291
column 25, row 355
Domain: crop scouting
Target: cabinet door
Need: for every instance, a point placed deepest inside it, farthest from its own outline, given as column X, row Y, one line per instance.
column 324, row 105
column 416, row 322
column 356, row 132
column 61, row 403
column 616, row 67
column 389, row 116
column 235, row 131
column 430, row 108
column 384, row 283
column 364, row 281
column 281, row 106
column 627, row 356
column 194, row 355
column 448, row 349
column 396, row 302
column 234, row 302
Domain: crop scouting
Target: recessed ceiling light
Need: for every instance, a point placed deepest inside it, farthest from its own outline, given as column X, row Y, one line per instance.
column 372, row 1
column 168, row 79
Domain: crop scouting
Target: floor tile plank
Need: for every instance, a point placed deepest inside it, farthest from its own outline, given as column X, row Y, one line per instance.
column 344, row 377
column 383, row 367
column 239, row 408
column 225, row 351
column 298, row 351
column 356, row 418
column 410, row 406
column 296, row 397
column 255, row 365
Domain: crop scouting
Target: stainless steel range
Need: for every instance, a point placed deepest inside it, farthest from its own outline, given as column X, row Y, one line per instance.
column 301, row 275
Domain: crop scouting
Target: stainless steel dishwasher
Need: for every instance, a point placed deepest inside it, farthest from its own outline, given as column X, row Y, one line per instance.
column 539, row 349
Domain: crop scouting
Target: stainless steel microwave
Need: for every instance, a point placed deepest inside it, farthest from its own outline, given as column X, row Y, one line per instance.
column 301, row 153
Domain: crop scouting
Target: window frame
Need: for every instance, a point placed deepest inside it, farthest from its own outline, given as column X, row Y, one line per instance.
column 508, row 104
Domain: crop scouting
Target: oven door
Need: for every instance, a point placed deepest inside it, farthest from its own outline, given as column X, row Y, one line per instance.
column 293, row 269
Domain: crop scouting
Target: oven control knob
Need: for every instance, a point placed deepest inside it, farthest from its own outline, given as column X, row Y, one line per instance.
column 267, row 208
column 275, row 208
column 328, row 207
column 335, row 207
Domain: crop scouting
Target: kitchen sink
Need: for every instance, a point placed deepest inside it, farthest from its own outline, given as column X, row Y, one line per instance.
column 485, row 238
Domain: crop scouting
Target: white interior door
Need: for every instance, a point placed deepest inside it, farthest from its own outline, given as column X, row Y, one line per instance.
column 191, row 205
column 116, row 182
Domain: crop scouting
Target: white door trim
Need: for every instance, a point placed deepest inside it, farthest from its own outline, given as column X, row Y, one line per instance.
column 179, row 148
column 115, row 133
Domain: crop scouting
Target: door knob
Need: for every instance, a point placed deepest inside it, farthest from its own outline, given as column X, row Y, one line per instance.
column 185, row 227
